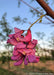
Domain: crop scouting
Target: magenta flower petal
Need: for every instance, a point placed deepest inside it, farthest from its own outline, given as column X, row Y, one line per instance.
column 18, row 33
column 32, row 52
column 19, row 62
column 17, row 36
column 21, row 45
column 27, row 38
column 14, row 57
column 31, row 45
column 21, row 51
column 24, row 51
column 12, row 41
column 31, row 58
column 17, row 30
column 27, row 51
column 26, row 61
column 15, row 52
column 10, row 35
column 37, row 59
column 34, row 41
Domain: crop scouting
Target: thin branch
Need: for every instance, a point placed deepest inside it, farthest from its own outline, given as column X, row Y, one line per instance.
column 41, row 23
column 36, row 10
column 49, row 19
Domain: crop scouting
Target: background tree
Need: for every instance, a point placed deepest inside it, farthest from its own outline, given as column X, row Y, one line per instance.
column 5, row 30
column 40, row 36
column 51, row 44
column 51, row 40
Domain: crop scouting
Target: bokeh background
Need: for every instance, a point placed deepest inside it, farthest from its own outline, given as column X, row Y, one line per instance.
column 21, row 14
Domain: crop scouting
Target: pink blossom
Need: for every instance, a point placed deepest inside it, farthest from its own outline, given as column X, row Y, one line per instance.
column 24, row 47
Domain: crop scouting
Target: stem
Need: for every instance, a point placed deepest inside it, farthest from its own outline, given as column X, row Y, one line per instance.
column 36, row 21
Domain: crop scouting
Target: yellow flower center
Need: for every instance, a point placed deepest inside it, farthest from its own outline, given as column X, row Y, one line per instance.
column 24, row 53
column 17, row 39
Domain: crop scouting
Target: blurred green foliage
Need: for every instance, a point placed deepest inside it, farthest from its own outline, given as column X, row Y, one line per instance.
column 5, row 28
column 6, row 72
column 52, row 53
column 45, row 58
column 5, row 59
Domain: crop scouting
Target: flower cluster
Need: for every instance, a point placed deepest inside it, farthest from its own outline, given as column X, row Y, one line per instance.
column 24, row 47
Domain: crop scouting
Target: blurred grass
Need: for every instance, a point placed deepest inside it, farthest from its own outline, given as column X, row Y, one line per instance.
column 20, row 70
column 25, row 70
column 6, row 72
column 30, row 69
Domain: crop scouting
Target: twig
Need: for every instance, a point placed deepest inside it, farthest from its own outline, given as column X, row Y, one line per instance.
column 36, row 21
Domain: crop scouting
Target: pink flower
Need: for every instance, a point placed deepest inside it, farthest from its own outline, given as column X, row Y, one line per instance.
column 14, row 40
column 24, row 47
column 27, row 38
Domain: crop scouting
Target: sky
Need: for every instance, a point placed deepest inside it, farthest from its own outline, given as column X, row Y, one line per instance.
column 12, row 10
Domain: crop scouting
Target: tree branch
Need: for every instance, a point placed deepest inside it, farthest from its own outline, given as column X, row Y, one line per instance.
column 45, row 6
column 36, row 10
